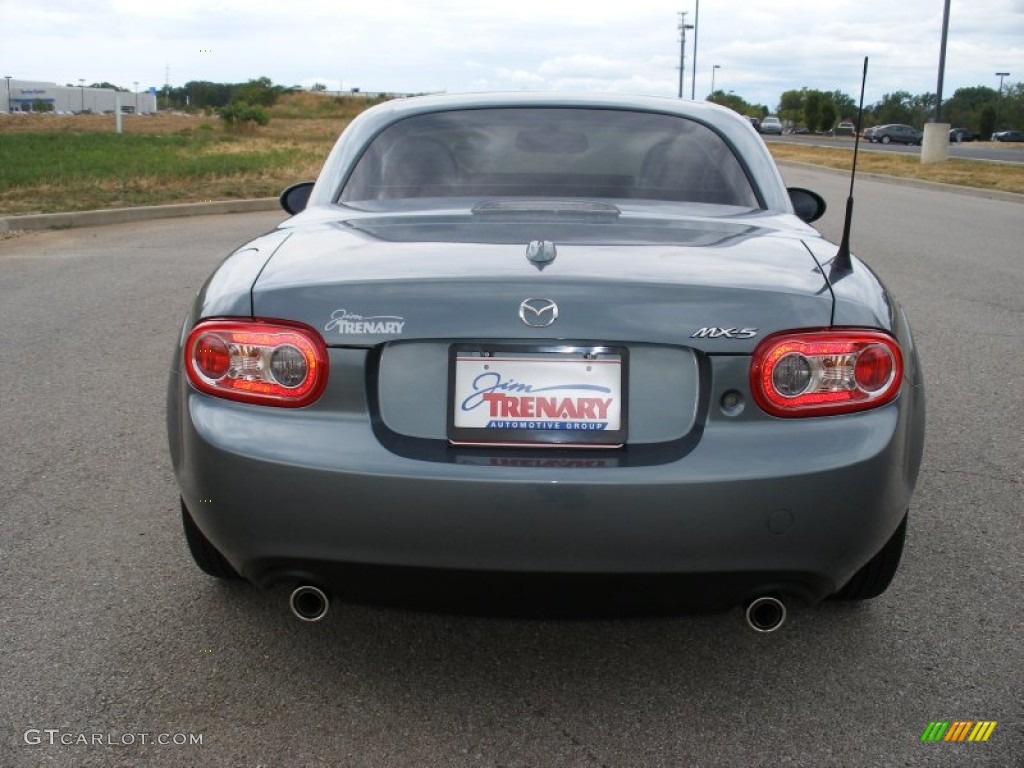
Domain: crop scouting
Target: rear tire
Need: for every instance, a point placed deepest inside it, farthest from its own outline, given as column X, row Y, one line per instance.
column 207, row 557
column 876, row 575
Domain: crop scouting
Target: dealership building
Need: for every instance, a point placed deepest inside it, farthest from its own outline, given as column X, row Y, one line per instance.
column 33, row 96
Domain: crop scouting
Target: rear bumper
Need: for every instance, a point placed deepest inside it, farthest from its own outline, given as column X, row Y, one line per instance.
column 761, row 504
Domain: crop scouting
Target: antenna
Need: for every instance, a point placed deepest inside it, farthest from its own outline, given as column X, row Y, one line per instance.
column 842, row 260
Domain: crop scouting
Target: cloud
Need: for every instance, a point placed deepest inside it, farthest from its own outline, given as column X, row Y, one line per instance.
column 400, row 45
column 518, row 77
column 585, row 66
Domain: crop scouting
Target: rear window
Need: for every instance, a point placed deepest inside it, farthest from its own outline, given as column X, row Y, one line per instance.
column 550, row 153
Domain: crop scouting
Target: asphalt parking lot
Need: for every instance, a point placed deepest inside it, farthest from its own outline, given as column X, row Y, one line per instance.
column 112, row 635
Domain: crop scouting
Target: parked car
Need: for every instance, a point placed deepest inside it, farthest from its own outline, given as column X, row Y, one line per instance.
column 845, row 128
column 771, row 124
column 901, row 134
column 553, row 336
column 962, row 134
column 1008, row 136
column 755, row 122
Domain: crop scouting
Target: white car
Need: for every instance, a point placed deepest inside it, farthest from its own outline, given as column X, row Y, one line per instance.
column 771, row 124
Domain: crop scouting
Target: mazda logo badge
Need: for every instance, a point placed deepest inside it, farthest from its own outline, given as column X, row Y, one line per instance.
column 538, row 313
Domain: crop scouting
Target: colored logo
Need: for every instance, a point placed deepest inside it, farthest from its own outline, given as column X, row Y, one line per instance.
column 536, row 394
column 959, row 730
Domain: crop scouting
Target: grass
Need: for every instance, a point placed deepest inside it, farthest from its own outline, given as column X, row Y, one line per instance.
column 54, row 163
column 51, row 163
column 43, row 172
column 968, row 173
column 34, row 158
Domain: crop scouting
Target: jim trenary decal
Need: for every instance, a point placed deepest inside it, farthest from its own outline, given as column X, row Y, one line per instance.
column 538, row 394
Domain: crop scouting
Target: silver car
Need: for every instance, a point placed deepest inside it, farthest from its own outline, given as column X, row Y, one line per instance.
column 771, row 124
column 548, row 337
column 896, row 132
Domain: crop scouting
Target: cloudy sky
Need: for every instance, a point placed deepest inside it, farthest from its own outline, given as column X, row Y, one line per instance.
column 762, row 49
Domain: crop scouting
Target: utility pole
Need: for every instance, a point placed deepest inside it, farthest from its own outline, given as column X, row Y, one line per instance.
column 136, row 97
column 696, row 29
column 935, row 139
column 999, row 97
column 81, row 85
column 9, row 92
column 714, row 68
column 942, row 63
column 683, row 26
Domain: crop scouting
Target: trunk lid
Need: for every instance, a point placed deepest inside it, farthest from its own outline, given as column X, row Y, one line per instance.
column 714, row 285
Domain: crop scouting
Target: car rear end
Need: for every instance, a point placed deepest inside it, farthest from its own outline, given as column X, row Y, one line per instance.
column 520, row 385
column 636, row 433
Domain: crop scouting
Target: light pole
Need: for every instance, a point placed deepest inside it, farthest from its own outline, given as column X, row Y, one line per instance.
column 714, row 68
column 999, row 97
column 9, row 93
column 136, row 97
column 696, row 31
column 683, row 26
column 942, row 63
column 81, row 85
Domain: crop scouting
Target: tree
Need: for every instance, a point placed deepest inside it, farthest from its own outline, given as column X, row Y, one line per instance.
column 1011, row 106
column 202, row 94
column 110, row 86
column 791, row 106
column 318, row 87
column 828, row 116
column 812, row 109
column 260, row 91
column 738, row 104
column 965, row 106
column 922, row 109
column 894, row 108
column 846, row 106
column 240, row 114
column 986, row 121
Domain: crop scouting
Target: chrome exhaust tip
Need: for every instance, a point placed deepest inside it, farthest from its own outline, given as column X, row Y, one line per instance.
column 309, row 603
column 765, row 614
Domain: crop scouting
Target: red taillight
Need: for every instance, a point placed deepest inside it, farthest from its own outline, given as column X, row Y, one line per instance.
column 270, row 362
column 212, row 356
column 825, row 372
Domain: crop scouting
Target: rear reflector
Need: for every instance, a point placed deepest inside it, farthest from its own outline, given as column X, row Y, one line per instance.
column 815, row 373
column 270, row 362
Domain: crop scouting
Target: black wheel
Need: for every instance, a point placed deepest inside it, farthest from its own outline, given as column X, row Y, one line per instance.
column 885, row 139
column 209, row 560
column 876, row 575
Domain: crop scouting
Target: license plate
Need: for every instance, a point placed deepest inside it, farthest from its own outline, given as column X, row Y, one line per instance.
column 568, row 397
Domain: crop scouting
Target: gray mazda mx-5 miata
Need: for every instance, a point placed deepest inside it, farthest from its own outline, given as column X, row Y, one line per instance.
column 555, row 337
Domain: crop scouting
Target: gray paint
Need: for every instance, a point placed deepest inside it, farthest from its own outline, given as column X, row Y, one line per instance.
column 360, row 476
column 634, row 278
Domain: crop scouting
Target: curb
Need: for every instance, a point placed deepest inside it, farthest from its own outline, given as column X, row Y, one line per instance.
column 902, row 181
column 143, row 213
